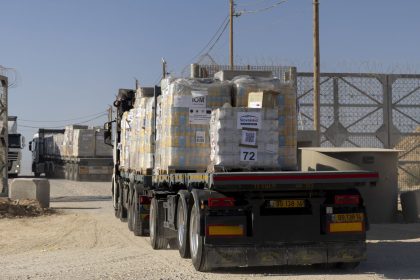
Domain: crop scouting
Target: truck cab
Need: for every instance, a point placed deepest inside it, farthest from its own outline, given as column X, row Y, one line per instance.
column 16, row 142
column 34, row 145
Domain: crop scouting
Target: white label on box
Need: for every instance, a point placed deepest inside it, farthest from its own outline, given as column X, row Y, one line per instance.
column 248, row 154
column 255, row 104
column 249, row 120
column 190, row 101
column 200, row 137
column 249, row 137
column 198, row 102
column 200, row 115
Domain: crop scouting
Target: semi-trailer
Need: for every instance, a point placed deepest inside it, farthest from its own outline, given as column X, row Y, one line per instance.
column 233, row 218
column 74, row 153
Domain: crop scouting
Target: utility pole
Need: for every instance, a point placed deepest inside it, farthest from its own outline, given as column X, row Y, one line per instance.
column 163, row 68
column 231, row 14
column 317, row 105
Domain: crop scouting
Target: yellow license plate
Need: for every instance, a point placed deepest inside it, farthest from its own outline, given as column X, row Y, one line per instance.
column 346, row 227
column 287, row 203
column 347, row 218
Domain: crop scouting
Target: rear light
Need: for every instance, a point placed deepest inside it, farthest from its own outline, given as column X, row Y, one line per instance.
column 221, row 202
column 144, row 199
column 347, row 199
column 346, row 227
column 225, row 230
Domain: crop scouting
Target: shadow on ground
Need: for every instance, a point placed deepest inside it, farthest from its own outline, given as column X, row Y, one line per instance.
column 81, row 198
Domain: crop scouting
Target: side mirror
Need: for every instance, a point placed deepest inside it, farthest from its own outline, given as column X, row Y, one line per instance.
column 107, row 133
column 107, row 138
column 30, row 146
column 22, row 142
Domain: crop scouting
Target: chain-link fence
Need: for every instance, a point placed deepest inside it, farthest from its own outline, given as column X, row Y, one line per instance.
column 361, row 110
column 368, row 110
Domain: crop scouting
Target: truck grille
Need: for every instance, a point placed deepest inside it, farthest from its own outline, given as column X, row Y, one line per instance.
column 13, row 156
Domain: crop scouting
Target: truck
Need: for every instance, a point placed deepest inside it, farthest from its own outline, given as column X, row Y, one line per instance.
column 16, row 142
column 238, row 218
column 58, row 153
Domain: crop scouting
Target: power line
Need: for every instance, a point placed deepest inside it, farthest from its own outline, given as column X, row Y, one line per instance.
column 244, row 12
column 218, row 38
column 223, row 25
column 52, row 121
column 97, row 117
column 253, row 3
column 216, row 34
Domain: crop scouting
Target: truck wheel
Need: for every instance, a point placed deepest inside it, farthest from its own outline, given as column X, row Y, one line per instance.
column 76, row 176
column 129, row 212
column 197, row 248
column 37, row 174
column 66, row 171
column 157, row 239
column 183, row 221
column 122, row 212
column 114, row 198
column 139, row 227
column 71, row 173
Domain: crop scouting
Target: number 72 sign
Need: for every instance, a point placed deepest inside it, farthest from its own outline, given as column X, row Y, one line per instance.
column 248, row 154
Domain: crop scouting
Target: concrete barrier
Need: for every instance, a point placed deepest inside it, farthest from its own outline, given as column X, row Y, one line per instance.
column 410, row 204
column 26, row 188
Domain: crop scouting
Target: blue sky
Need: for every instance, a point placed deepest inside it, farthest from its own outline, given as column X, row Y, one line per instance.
column 72, row 56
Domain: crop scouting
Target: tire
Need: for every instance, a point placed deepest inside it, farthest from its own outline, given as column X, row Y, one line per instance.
column 139, row 226
column 66, row 171
column 129, row 212
column 37, row 174
column 71, row 177
column 114, row 191
column 157, row 239
column 76, row 175
column 197, row 248
column 122, row 212
column 183, row 222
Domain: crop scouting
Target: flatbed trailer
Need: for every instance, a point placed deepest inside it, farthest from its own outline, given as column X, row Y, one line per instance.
column 234, row 219
column 250, row 218
column 98, row 168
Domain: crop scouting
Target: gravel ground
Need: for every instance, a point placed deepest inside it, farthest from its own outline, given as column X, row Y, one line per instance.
column 85, row 241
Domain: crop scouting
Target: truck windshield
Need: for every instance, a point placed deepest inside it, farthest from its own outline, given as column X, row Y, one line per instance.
column 14, row 141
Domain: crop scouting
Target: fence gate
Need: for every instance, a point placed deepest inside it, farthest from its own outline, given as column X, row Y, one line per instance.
column 368, row 110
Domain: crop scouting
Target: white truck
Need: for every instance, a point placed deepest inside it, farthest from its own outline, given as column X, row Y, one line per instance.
column 75, row 153
column 16, row 142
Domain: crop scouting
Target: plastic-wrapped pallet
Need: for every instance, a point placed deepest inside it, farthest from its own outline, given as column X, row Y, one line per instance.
column 146, row 130
column 184, row 117
column 83, row 142
column 69, row 138
column 125, row 134
column 101, row 149
column 243, row 85
column 273, row 93
column 244, row 138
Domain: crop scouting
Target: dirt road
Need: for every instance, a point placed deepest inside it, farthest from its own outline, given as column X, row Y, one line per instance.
column 85, row 241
